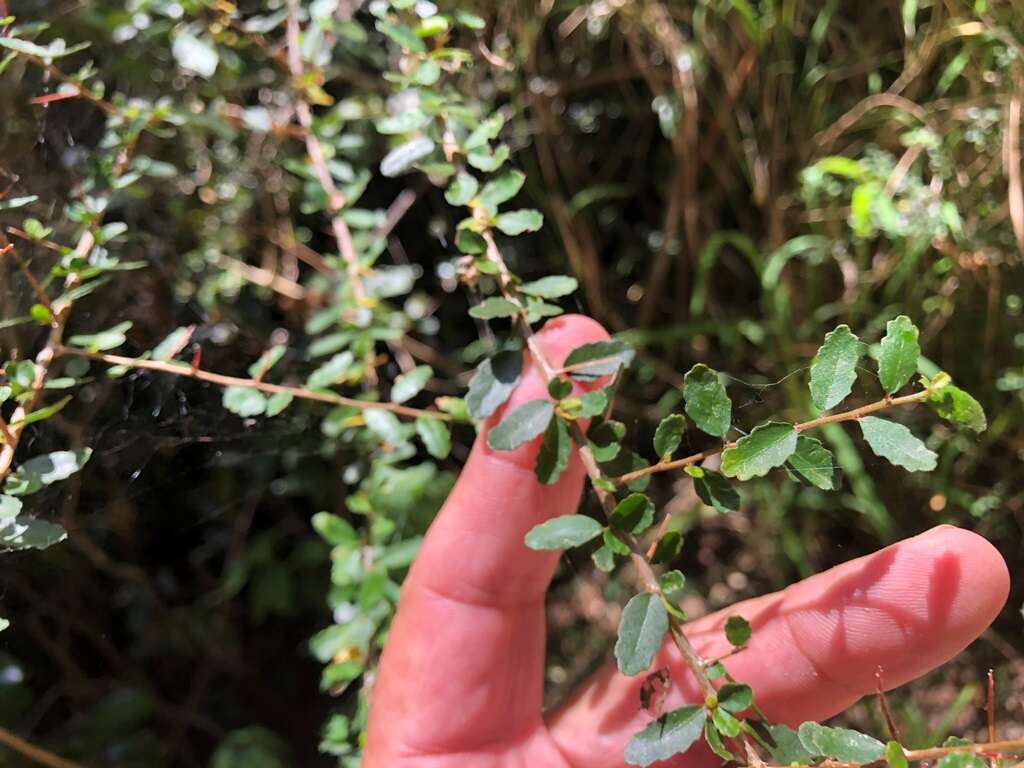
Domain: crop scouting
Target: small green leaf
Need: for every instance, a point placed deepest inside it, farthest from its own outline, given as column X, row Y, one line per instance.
column 517, row 222
column 834, row 368
column 404, row 36
column 614, row 542
column 604, row 439
column 493, row 383
column 897, row 444
column 41, row 414
column 405, row 156
column 553, row 457
column 10, row 508
column 894, row 754
column 331, row 372
column 598, row 359
column 563, row 532
column 277, row 402
column 410, row 383
column 483, row 159
column 634, row 514
column 726, row 724
column 11, row 203
column 671, row 734
column 672, row 583
column 521, row 425
column 706, row 401
column 462, row 189
column 668, row 548
column 714, row 740
column 767, row 447
column 840, row 744
column 104, row 340
column 957, row 406
column 244, row 401
column 735, row 697
column 669, row 435
column 641, row 630
column 174, row 342
column 49, row 468
column 593, row 404
column 550, row 287
column 385, row 426
column 501, row 189
column 960, row 760
column 813, row 463
column 30, row 533
column 495, row 306
column 470, row 242
column 435, row 436
column 486, row 131
column 559, row 388
column 897, row 362
column 40, row 314
column 716, row 491
column 787, row 749
column 334, row 530
column 604, row 559
column 737, row 631
column 266, row 361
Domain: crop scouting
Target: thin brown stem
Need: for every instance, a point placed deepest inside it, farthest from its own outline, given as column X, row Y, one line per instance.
column 34, row 753
column 188, row 372
column 1015, row 746
column 335, row 198
column 832, row 418
column 641, row 561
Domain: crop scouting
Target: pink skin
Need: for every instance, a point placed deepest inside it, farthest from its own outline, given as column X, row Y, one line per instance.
column 461, row 677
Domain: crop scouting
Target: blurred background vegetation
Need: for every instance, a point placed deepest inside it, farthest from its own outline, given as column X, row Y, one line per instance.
column 728, row 179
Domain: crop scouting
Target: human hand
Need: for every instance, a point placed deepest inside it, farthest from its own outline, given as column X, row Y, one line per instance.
column 460, row 680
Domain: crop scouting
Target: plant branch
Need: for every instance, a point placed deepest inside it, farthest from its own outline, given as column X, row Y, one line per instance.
column 188, row 372
column 832, row 418
column 597, row 477
column 335, row 198
column 34, row 753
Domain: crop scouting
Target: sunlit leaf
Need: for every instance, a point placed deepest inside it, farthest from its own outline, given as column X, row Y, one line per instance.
column 706, row 401
column 898, row 444
column 897, row 362
column 563, row 532
column 767, row 447
column 834, row 368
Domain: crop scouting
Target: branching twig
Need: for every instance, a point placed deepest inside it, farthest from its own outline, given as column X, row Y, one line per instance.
column 186, row 371
column 832, row 418
column 335, row 198
column 34, row 753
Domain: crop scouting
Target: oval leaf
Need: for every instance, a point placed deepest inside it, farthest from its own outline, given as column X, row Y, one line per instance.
column 643, row 625
column 493, row 383
column 767, row 447
column 898, row 444
column 813, row 463
column 521, row 425
column 900, row 351
column 706, row 401
column 834, row 368
column 563, row 532
column 669, row 435
column 840, row 744
column 671, row 734
column 553, row 457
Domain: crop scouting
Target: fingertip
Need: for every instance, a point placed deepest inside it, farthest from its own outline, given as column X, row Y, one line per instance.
column 561, row 335
column 971, row 561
